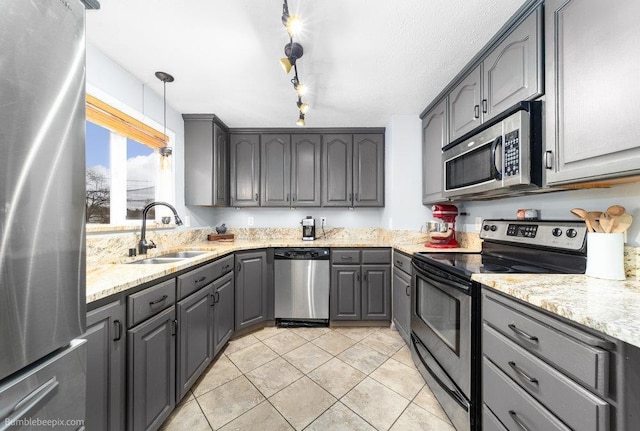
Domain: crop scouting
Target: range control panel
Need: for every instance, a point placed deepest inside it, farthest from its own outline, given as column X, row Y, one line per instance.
column 568, row 235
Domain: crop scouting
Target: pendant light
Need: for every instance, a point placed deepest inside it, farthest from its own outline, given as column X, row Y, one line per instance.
column 165, row 151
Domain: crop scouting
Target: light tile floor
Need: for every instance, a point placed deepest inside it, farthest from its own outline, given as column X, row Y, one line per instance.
column 312, row 379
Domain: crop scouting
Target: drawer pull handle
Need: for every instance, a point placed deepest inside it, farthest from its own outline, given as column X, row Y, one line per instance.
column 407, row 290
column 520, row 332
column 399, row 263
column 200, row 280
column 217, row 298
column 519, row 370
column 159, row 300
column 346, row 257
column 517, row 420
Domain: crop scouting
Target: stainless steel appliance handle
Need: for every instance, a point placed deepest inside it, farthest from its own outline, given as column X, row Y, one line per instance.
column 440, row 377
column 441, row 282
column 495, row 172
column 32, row 402
column 517, row 420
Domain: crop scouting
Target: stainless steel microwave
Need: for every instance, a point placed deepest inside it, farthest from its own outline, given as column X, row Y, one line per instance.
column 502, row 157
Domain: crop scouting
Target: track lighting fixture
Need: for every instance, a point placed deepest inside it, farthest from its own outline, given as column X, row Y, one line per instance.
column 293, row 51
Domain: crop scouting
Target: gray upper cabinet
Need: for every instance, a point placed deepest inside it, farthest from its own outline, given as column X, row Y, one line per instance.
column 106, row 365
column 593, row 97
column 305, row 170
column 368, row 170
column 434, row 137
column 275, row 170
column 353, row 168
column 251, row 288
column 509, row 73
column 206, row 159
column 244, row 154
column 464, row 105
column 337, row 161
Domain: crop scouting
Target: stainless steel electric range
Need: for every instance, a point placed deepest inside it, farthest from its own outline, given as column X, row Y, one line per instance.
column 445, row 309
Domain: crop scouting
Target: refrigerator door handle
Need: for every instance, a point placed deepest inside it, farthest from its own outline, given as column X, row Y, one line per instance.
column 31, row 402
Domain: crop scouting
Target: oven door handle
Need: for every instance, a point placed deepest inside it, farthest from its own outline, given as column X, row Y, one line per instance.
column 441, row 282
column 440, row 377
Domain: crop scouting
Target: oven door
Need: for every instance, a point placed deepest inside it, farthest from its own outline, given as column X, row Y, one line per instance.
column 441, row 321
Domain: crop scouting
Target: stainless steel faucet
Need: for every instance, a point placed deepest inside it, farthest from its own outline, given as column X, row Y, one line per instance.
column 143, row 245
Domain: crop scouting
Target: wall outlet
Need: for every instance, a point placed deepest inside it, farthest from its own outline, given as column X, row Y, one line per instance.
column 250, row 221
column 323, row 221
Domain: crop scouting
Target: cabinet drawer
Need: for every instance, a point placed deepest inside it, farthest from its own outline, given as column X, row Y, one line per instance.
column 197, row 279
column 379, row 256
column 576, row 406
column 586, row 363
column 489, row 421
column 402, row 261
column 345, row 256
column 144, row 304
column 512, row 406
column 222, row 266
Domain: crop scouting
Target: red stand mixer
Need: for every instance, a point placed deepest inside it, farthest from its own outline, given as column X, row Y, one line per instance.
column 443, row 234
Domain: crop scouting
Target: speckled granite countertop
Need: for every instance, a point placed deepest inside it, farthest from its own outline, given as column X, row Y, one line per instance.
column 611, row 307
column 108, row 279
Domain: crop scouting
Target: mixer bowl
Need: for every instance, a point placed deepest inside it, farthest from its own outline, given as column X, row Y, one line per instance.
column 438, row 231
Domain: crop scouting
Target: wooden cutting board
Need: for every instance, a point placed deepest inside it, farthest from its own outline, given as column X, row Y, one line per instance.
column 221, row 237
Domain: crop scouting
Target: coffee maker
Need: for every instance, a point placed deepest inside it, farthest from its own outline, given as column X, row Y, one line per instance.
column 308, row 228
column 443, row 234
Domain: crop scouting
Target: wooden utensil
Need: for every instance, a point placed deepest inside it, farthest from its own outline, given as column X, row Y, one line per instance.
column 593, row 217
column 606, row 222
column 582, row 214
column 622, row 223
column 613, row 212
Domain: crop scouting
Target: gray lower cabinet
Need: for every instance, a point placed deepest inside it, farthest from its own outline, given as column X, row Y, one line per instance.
column 244, row 181
column 151, row 371
column 194, row 350
column 401, row 293
column 592, row 97
column 223, row 311
column 541, row 374
column 435, row 135
column 206, row 160
column 106, row 368
column 353, row 167
column 360, row 284
column 251, row 288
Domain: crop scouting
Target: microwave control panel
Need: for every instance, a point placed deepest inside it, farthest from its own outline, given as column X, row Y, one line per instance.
column 512, row 153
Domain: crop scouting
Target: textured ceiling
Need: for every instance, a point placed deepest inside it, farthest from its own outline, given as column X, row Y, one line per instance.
column 364, row 60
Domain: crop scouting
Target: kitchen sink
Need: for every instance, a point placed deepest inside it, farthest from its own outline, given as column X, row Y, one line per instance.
column 157, row 260
column 182, row 254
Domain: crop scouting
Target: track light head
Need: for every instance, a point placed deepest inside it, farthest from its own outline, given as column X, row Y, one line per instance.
column 300, row 121
column 292, row 51
column 303, row 107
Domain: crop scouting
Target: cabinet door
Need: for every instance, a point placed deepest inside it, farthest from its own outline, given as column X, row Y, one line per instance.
column 593, row 96
column 368, row 170
column 194, row 338
column 434, row 137
column 251, row 288
column 337, row 161
column 345, row 292
column 245, row 170
column 221, row 166
column 464, row 105
column 376, row 292
column 198, row 160
column 275, row 170
column 223, row 311
column 305, row 170
column 512, row 72
column 106, row 362
column 151, row 371
column 401, row 287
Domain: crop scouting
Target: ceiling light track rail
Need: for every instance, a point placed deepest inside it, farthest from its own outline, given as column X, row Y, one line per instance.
column 293, row 51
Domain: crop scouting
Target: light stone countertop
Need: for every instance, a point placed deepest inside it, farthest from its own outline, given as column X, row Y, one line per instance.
column 611, row 307
column 115, row 277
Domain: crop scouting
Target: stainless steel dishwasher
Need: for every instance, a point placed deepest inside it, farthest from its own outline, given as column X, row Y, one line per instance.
column 301, row 286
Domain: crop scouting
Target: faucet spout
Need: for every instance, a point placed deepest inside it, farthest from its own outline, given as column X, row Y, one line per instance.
column 144, row 245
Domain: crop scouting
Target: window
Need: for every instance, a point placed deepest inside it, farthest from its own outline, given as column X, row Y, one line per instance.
column 123, row 167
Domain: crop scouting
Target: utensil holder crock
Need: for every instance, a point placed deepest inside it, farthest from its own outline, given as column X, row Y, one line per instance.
column 605, row 255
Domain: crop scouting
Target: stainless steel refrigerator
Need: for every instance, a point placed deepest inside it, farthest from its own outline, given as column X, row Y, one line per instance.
column 42, row 195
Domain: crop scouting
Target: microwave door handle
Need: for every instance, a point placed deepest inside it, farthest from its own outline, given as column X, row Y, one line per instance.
column 495, row 172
